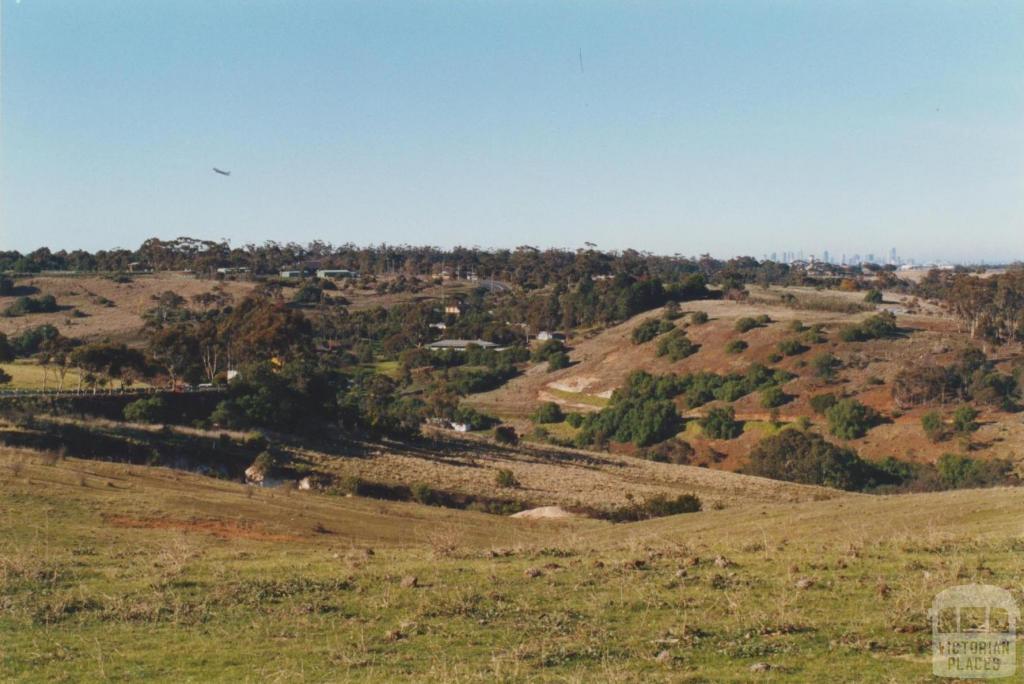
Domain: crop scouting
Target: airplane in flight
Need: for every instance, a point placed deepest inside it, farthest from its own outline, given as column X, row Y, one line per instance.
column 223, row 173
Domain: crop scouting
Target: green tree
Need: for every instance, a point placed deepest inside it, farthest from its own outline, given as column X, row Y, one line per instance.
column 548, row 412
column 720, row 423
column 850, row 419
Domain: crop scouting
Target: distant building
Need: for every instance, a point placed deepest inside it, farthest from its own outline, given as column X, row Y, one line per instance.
column 545, row 335
column 461, row 345
column 291, row 274
column 453, row 309
column 336, row 273
column 230, row 270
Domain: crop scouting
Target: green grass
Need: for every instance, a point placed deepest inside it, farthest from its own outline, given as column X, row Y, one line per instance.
column 111, row 572
column 389, row 368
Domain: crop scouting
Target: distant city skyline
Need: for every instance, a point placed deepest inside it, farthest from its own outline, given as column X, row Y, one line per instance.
column 725, row 128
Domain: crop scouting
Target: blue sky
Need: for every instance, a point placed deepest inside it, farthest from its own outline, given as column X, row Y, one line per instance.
column 723, row 127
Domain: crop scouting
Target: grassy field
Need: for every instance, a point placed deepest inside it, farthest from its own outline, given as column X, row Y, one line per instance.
column 114, row 572
column 29, row 375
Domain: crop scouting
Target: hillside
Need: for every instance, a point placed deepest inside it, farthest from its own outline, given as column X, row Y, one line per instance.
column 602, row 360
column 110, row 571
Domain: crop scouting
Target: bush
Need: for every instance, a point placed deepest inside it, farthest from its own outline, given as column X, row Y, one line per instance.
column 548, row 349
column 961, row 471
column 574, row 419
column 505, row 478
column 850, row 419
column 772, row 397
column 699, row 317
column 745, row 324
column 814, row 335
column 877, row 327
column 30, row 305
column 506, row 434
column 933, row 426
column 825, row 365
column 558, row 361
column 791, row 347
column 763, row 319
column 266, row 463
column 807, row 458
column 735, row 346
column 656, row 506
column 964, row 419
column 674, row 450
column 821, row 403
column 148, row 410
column 472, row 418
column 424, row 494
column 548, row 412
column 796, row 326
column 873, row 297
column 646, row 331
column 676, row 346
column 6, row 350
column 720, row 423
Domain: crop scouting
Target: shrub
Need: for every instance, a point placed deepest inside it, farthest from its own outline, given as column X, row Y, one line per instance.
column 745, row 324
column 558, row 361
column 646, row 331
column 266, row 463
column 660, row 505
column 774, row 357
column 674, row 450
column 763, row 319
column 6, row 350
column 148, row 410
column 574, row 419
column 825, row 365
column 548, row 412
column 962, row 471
column 720, row 423
column 505, row 478
column 850, row 419
column 964, row 419
column 809, row 459
column 873, row 297
column 735, row 346
column 676, row 346
column 791, row 347
column 772, row 397
column 877, row 327
column 796, row 326
column 30, row 305
column 424, row 494
column 506, row 434
column 547, row 349
column 815, row 334
column 472, row 418
column 656, row 506
column 933, row 426
column 699, row 317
